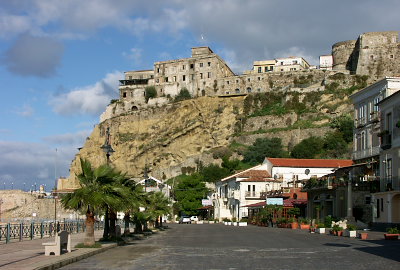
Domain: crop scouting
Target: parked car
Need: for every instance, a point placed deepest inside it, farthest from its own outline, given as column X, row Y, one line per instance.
column 194, row 218
column 185, row 219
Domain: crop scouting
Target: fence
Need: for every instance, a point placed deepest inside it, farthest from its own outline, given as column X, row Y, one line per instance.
column 21, row 231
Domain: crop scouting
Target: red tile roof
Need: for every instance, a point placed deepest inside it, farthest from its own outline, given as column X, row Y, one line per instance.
column 255, row 173
column 310, row 163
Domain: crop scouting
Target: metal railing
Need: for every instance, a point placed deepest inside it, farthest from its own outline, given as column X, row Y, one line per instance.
column 369, row 152
column 255, row 194
column 24, row 231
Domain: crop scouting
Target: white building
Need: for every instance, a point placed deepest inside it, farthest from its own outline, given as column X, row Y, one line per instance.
column 291, row 63
column 366, row 142
column 388, row 200
column 326, row 62
column 235, row 191
column 289, row 171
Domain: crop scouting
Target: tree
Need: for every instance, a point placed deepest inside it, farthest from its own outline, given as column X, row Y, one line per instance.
column 150, row 92
column 188, row 193
column 263, row 148
column 308, row 148
column 158, row 205
column 334, row 145
column 183, row 94
column 343, row 124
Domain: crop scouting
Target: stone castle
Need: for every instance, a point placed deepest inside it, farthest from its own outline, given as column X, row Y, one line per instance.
column 375, row 54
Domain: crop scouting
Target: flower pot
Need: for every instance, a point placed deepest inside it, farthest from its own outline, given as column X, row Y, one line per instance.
column 391, row 236
column 339, row 233
column 294, row 225
column 363, row 236
column 305, row 226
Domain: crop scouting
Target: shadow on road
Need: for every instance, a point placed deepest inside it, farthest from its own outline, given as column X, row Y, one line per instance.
column 386, row 249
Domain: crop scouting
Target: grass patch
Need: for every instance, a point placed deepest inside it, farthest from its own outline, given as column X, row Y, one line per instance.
column 81, row 245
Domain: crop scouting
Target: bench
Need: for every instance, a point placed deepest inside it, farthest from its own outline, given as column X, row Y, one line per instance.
column 62, row 242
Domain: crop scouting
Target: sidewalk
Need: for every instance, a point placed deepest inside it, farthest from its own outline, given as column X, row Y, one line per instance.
column 29, row 254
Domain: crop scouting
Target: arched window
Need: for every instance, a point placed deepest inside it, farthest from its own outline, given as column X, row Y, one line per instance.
column 134, row 108
column 248, row 90
column 237, row 90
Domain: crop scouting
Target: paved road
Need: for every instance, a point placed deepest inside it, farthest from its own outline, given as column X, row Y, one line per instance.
column 215, row 246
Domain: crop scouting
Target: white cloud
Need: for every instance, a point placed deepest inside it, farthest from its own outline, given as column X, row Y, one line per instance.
column 33, row 163
column 134, row 54
column 26, row 111
column 91, row 99
column 72, row 139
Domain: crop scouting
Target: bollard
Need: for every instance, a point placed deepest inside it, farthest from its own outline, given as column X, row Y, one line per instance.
column 21, row 231
column 41, row 230
column 32, row 230
column 8, row 231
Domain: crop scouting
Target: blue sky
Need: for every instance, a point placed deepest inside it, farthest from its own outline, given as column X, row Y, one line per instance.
column 60, row 60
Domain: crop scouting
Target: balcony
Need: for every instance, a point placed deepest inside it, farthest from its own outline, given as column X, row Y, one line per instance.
column 255, row 195
column 390, row 183
column 366, row 153
column 360, row 122
column 375, row 117
column 133, row 82
column 386, row 141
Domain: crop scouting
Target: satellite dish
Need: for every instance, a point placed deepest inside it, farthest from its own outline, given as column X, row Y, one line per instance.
column 307, row 172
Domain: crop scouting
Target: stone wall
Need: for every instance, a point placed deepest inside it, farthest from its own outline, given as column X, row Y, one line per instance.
column 18, row 205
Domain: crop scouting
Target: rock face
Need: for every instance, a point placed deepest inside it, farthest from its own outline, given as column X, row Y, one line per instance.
column 17, row 204
column 175, row 138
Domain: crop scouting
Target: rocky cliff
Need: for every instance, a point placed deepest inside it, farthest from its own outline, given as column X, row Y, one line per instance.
column 174, row 138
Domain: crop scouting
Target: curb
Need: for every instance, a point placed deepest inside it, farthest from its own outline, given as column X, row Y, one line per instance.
column 74, row 257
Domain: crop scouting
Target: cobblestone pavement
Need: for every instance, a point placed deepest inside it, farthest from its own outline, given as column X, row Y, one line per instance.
column 215, row 246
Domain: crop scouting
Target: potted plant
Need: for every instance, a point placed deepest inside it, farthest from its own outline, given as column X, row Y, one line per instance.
column 293, row 223
column 211, row 221
column 234, row 221
column 304, row 224
column 350, row 231
column 337, row 230
column 392, row 234
column 320, row 228
column 226, row 221
column 242, row 222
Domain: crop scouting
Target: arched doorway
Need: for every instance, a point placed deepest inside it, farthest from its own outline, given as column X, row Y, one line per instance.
column 134, row 108
column 396, row 208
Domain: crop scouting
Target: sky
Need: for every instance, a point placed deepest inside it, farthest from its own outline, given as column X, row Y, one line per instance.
column 60, row 60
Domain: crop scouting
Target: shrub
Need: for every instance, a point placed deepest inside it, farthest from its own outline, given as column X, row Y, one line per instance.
column 393, row 230
column 262, row 148
column 243, row 220
column 150, row 92
column 234, row 219
column 308, row 148
column 351, row 227
column 183, row 95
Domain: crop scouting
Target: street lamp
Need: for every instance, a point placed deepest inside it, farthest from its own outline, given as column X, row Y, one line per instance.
column 107, row 147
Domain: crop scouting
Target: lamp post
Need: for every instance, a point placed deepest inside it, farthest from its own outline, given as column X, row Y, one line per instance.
column 107, row 147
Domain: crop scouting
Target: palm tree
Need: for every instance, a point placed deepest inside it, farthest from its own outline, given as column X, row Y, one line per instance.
column 157, row 206
column 98, row 191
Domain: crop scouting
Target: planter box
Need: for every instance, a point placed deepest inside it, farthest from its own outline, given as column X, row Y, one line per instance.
column 305, row 226
column 211, row 222
column 241, row 224
column 320, row 230
column 234, row 223
column 391, row 236
column 348, row 233
column 206, row 221
column 199, row 222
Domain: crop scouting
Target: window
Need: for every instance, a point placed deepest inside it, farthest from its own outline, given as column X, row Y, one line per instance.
column 201, row 64
column 130, row 77
column 166, row 79
column 371, row 57
column 248, row 90
column 259, row 89
column 388, row 124
column 237, row 90
column 201, row 75
column 124, row 94
column 237, row 81
column 259, row 69
column 208, row 74
column 367, row 199
column 158, row 70
column 183, row 67
column 209, row 64
column 266, row 69
column 381, row 204
column 378, row 212
column 391, row 56
column 192, row 77
column 295, row 62
column 184, row 78
column 191, row 66
column 174, row 78
column 259, row 78
column 131, row 93
column 281, row 63
column 157, row 80
column 227, row 82
column 363, row 142
column 376, row 106
column 248, row 79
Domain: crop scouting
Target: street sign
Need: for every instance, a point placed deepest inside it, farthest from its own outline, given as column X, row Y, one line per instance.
column 206, row 202
column 274, row 201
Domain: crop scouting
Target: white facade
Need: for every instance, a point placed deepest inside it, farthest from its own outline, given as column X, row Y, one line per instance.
column 326, row 62
column 387, row 202
column 367, row 115
column 238, row 190
column 291, row 64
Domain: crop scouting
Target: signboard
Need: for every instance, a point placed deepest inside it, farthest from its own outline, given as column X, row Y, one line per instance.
column 206, row 202
column 274, row 201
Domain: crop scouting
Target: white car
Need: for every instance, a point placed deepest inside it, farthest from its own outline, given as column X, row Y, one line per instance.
column 185, row 219
column 194, row 218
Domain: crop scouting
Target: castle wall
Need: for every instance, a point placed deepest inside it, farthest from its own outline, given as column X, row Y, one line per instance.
column 379, row 54
column 341, row 53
